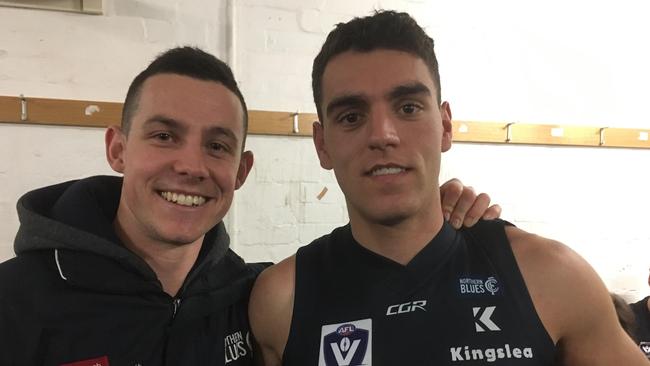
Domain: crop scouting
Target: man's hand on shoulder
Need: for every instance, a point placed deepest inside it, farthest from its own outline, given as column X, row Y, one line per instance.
column 270, row 311
column 573, row 303
column 462, row 207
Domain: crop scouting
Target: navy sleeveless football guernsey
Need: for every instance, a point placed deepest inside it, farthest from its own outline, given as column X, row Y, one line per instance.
column 460, row 301
column 643, row 325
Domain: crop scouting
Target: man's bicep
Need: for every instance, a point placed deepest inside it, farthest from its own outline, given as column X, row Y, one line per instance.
column 270, row 310
column 612, row 347
column 595, row 336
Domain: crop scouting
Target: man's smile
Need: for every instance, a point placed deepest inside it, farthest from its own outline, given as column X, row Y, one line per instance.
column 183, row 199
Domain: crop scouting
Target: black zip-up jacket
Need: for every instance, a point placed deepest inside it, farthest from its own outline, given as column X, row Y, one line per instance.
column 74, row 294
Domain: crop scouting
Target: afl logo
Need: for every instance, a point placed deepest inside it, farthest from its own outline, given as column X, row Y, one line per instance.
column 346, row 344
column 492, row 285
column 346, row 329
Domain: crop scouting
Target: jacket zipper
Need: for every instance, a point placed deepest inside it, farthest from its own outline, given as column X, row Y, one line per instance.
column 176, row 303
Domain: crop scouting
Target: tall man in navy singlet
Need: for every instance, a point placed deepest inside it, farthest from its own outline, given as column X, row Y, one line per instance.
column 399, row 285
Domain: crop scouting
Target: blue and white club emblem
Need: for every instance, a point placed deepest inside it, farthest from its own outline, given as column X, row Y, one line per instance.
column 346, row 344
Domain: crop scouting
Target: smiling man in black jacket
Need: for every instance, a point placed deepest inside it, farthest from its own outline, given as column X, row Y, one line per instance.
column 137, row 270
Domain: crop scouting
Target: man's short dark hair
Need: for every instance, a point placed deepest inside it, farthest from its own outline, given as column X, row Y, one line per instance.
column 383, row 30
column 187, row 61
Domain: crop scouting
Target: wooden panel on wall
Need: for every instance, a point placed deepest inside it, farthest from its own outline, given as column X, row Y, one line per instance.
column 101, row 114
column 280, row 123
column 554, row 135
column 59, row 112
column 626, row 137
column 467, row 131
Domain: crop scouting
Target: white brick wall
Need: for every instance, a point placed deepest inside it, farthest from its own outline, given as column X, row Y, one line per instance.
column 494, row 66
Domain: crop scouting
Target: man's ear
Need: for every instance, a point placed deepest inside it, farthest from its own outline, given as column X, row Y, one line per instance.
column 319, row 143
column 115, row 141
column 245, row 165
column 445, row 113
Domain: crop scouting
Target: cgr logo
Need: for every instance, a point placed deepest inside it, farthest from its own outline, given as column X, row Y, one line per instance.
column 407, row 307
column 482, row 319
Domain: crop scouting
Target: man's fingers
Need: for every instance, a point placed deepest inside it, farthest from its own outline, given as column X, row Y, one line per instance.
column 493, row 212
column 477, row 210
column 463, row 205
column 450, row 193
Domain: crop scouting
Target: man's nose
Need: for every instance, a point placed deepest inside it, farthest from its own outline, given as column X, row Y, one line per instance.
column 190, row 161
column 382, row 129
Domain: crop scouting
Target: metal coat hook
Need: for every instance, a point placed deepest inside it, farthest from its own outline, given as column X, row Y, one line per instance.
column 296, row 125
column 509, row 131
column 23, row 108
column 601, row 133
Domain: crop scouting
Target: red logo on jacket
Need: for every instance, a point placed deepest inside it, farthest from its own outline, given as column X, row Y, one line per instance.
column 100, row 361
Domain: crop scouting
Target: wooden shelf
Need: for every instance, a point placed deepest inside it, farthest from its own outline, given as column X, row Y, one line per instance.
column 101, row 114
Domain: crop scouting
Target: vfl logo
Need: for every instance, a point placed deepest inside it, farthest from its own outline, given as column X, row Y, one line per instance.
column 406, row 307
column 645, row 347
column 346, row 344
column 476, row 286
column 482, row 319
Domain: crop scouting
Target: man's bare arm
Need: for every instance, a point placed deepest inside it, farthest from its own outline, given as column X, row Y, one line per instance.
column 573, row 304
column 270, row 311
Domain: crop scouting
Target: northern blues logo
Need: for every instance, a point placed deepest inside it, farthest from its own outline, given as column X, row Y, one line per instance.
column 346, row 344
column 236, row 346
column 478, row 286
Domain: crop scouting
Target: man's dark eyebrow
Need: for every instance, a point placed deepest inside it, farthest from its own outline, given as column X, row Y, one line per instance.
column 222, row 131
column 345, row 101
column 408, row 89
column 178, row 126
column 164, row 120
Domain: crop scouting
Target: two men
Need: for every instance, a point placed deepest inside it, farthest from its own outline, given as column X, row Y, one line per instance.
column 398, row 285
column 137, row 270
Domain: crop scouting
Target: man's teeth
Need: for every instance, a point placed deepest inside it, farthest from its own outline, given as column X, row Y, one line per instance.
column 386, row 171
column 184, row 200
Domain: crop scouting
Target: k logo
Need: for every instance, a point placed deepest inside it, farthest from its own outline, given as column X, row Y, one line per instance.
column 346, row 344
column 482, row 319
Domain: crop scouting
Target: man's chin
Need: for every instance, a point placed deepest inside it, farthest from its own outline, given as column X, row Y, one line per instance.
column 389, row 218
column 179, row 240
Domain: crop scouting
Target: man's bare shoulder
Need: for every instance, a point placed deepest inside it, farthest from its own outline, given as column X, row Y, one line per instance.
column 278, row 277
column 271, row 308
column 572, row 302
column 273, row 290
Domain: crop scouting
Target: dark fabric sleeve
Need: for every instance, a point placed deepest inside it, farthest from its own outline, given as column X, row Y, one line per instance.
column 258, row 267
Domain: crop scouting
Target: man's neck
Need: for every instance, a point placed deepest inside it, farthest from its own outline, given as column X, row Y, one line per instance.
column 170, row 262
column 400, row 242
